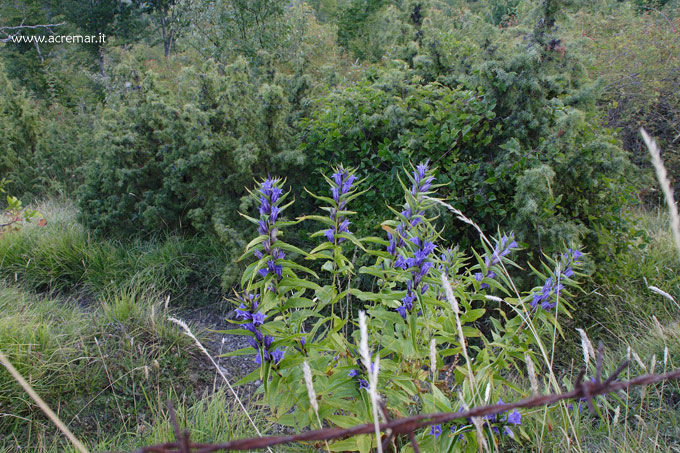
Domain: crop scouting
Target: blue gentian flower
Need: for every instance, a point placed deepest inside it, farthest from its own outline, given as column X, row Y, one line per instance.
column 421, row 266
column 343, row 181
column 502, row 420
column 503, row 247
column 547, row 297
column 515, row 417
column 270, row 196
column 248, row 311
column 277, row 355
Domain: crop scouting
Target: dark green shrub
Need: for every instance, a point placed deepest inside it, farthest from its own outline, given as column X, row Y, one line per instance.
column 176, row 149
column 509, row 129
column 378, row 128
column 19, row 134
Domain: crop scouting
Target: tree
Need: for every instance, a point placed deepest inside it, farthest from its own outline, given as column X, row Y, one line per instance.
column 224, row 28
column 26, row 60
column 101, row 18
column 168, row 17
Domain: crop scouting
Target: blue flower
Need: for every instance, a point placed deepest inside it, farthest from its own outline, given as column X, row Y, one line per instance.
column 503, row 247
column 258, row 318
column 343, row 185
column 277, row 355
column 436, row 431
column 353, row 373
column 276, row 193
column 363, row 384
column 515, row 417
column 547, row 297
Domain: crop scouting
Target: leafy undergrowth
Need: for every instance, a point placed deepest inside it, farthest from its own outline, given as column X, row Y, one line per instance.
column 109, row 367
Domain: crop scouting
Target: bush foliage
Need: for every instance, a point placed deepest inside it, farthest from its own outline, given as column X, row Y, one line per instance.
column 176, row 152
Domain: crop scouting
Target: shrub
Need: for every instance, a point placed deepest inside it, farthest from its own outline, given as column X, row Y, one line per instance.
column 378, row 128
column 176, row 150
column 19, row 135
column 43, row 148
column 637, row 57
column 492, row 156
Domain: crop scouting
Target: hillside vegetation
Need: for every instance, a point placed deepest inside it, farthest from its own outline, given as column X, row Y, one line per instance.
column 468, row 175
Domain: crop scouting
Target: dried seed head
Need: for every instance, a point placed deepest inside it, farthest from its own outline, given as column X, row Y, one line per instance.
column 310, row 386
column 372, row 374
column 449, row 294
column 617, row 412
column 433, row 359
column 662, row 176
column 493, row 298
column 532, row 373
column 363, row 342
column 587, row 347
column 661, row 292
column 638, row 360
column 658, row 326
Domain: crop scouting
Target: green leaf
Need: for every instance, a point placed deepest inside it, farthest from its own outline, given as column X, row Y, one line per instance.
column 288, row 283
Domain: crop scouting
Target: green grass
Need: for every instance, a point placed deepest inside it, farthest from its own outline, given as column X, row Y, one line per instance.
column 629, row 319
column 621, row 297
column 99, row 369
column 62, row 257
column 649, row 417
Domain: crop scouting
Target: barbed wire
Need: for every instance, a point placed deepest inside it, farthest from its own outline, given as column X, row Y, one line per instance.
column 583, row 390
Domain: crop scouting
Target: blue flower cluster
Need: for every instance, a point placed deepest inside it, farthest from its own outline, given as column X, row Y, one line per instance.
column 547, row 297
column 419, row 261
column 343, row 181
column 248, row 311
column 422, row 182
column 447, row 259
column 363, row 383
column 494, row 421
column 503, row 248
column 354, row 373
column 270, row 197
column 513, row 418
column 421, row 265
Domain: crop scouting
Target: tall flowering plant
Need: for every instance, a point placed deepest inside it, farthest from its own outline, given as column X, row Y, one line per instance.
column 342, row 184
column 268, row 284
column 440, row 333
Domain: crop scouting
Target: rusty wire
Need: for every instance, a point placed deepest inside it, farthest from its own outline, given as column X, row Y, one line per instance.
column 584, row 390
